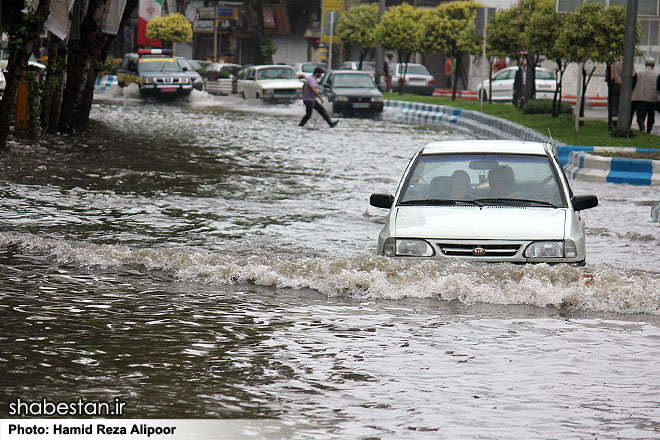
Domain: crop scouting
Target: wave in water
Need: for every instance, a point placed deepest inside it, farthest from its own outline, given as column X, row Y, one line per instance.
column 597, row 288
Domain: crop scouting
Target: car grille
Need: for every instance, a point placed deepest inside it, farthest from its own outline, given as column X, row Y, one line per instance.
column 483, row 249
column 168, row 80
column 285, row 91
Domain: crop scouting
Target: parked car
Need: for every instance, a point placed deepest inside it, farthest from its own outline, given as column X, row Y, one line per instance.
column 415, row 77
column 351, row 91
column 220, row 78
column 193, row 74
column 367, row 66
column 200, row 65
column 155, row 72
column 503, row 80
column 303, row 70
column 485, row 200
column 271, row 82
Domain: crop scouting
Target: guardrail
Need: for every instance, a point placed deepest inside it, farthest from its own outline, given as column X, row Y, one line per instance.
column 105, row 82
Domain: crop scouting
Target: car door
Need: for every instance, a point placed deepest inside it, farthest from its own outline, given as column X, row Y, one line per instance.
column 249, row 84
column 503, row 85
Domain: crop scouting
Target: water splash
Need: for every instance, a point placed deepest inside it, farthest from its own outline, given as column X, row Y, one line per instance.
column 367, row 276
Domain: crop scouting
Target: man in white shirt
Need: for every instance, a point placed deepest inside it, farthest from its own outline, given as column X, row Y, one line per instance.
column 310, row 93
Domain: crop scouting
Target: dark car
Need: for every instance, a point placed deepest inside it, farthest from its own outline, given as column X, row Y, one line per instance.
column 351, row 91
column 193, row 74
column 155, row 72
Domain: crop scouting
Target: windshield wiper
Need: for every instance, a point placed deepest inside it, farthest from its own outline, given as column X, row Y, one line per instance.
column 506, row 199
column 447, row 202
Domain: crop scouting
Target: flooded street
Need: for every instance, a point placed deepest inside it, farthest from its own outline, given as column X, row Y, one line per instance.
column 210, row 259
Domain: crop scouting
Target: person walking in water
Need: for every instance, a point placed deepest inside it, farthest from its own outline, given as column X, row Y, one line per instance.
column 310, row 93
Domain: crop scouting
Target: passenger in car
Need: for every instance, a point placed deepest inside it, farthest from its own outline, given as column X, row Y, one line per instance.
column 459, row 185
column 501, row 181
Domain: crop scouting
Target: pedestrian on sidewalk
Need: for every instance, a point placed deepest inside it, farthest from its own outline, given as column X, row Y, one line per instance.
column 310, row 93
column 387, row 72
column 645, row 95
column 448, row 71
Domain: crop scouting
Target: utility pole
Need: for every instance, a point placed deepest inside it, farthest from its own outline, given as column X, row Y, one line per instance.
column 625, row 116
column 379, row 49
column 215, row 32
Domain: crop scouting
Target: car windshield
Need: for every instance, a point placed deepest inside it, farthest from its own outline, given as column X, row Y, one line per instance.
column 544, row 74
column 352, row 80
column 416, row 69
column 276, row 73
column 508, row 179
column 159, row 65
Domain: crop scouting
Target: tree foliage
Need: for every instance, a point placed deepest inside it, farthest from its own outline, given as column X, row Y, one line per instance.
column 434, row 31
column 357, row 26
column 172, row 27
column 397, row 29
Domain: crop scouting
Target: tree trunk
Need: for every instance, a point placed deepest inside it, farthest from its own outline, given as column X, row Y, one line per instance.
column 82, row 67
column 459, row 66
column 56, row 102
column 23, row 28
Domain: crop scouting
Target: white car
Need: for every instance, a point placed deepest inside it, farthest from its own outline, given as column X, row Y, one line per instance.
column 273, row 82
column 485, row 200
column 503, row 80
column 415, row 78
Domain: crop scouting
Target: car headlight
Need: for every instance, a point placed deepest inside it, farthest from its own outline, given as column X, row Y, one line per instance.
column 341, row 98
column 407, row 247
column 149, row 80
column 551, row 249
column 377, row 99
column 186, row 80
column 268, row 91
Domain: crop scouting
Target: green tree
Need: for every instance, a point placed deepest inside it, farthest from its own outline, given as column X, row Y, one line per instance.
column 397, row 31
column 462, row 40
column 541, row 33
column 434, row 31
column 592, row 33
column 172, row 27
column 357, row 26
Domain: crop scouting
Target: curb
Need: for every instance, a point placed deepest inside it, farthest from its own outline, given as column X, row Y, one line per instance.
column 465, row 121
column 105, row 82
column 655, row 212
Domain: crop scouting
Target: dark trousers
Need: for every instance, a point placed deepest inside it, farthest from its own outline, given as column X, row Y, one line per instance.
column 645, row 112
column 616, row 94
column 309, row 108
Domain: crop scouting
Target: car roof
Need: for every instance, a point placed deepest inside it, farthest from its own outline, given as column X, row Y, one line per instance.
column 485, row 146
column 352, row 72
column 271, row 66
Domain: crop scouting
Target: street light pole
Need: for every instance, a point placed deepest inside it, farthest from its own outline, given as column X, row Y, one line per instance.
column 379, row 49
column 215, row 33
column 625, row 112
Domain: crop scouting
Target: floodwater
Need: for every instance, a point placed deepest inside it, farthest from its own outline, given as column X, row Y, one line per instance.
column 210, row 259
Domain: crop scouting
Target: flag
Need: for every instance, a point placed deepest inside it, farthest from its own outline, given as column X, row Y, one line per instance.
column 148, row 9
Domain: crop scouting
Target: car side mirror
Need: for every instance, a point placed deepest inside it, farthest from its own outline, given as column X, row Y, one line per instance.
column 381, row 200
column 584, row 202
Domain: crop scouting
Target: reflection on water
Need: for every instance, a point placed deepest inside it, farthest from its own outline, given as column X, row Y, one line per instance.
column 211, row 259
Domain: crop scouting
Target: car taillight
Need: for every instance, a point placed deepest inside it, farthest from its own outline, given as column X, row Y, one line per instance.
column 301, row 76
column 431, row 82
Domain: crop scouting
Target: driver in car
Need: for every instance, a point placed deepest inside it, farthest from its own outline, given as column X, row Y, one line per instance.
column 501, row 181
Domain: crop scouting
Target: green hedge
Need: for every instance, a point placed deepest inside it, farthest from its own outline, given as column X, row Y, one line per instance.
column 543, row 106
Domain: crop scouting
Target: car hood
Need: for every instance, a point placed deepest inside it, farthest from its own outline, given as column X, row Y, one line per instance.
column 357, row 91
column 472, row 222
column 280, row 83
